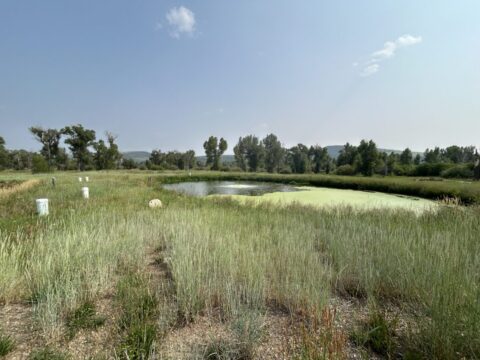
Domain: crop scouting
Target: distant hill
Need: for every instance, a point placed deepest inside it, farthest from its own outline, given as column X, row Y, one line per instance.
column 138, row 156
column 334, row 150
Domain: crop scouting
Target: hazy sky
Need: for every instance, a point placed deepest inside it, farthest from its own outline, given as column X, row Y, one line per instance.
column 167, row 74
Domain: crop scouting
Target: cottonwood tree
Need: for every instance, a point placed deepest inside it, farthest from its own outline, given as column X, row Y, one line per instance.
column 250, row 153
column 319, row 158
column 107, row 157
column 298, row 159
column 417, row 160
column 239, row 152
column 3, row 155
column 20, row 159
column 406, row 157
column 274, row 153
column 50, row 140
column 80, row 139
column 187, row 160
column 476, row 168
column 369, row 155
column 432, row 156
column 347, row 155
column 172, row 159
column 214, row 150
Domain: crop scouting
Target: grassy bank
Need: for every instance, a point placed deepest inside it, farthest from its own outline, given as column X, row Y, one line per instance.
column 231, row 261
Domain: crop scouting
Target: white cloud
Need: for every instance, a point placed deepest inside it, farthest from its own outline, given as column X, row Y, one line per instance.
column 181, row 21
column 407, row 40
column 388, row 51
column 370, row 70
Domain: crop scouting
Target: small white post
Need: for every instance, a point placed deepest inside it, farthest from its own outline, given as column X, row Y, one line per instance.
column 42, row 207
column 85, row 192
column 86, row 178
column 79, row 179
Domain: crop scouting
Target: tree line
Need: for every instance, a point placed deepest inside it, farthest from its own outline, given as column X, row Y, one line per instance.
column 86, row 152
column 251, row 154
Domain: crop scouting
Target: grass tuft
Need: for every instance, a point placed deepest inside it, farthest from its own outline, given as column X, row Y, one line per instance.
column 48, row 353
column 139, row 306
column 223, row 349
column 377, row 333
column 6, row 344
column 84, row 317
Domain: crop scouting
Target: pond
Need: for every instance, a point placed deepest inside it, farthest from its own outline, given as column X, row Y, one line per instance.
column 281, row 194
column 247, row 188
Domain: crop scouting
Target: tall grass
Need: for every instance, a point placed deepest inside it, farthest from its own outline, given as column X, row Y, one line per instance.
column 231, row 256
column 226, row 258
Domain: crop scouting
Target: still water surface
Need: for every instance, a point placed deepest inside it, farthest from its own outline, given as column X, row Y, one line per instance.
column 204, row 188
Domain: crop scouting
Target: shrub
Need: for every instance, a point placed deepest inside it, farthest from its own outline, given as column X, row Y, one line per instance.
column 403, row 170
column 129, row 164
column 458, row 171
column 345, row 170
column 39, row 164
column 430, row 169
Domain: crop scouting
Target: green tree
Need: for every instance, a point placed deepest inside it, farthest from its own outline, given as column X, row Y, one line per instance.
column 214, row 150
column 222, row 147
column 20, row 159
column 50, row 140
column 274, row 153
column 4, row 158
column 347, row 155
column 392, row 159
column 129, row 164
column 476, row 166
column 406, row 157
column 114, row 156
column 40, row 164
column 369, row 154
column 469, row 154
column 100, row 155
column 156, row 158
column 298, row 159
column 417, row 160
column 239, row 152
column 249, row 153
column 62, row 160
column 79, row 139
column 319, row 157
column 432, row 156
column 188, row 160
column 254, row 152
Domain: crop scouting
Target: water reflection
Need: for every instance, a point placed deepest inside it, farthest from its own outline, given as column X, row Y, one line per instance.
column 204, row 188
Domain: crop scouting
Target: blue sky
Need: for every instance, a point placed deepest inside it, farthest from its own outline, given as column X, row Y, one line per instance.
column 167, row 74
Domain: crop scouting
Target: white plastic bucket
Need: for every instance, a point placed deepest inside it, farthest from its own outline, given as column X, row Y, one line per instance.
column 79, row 179
column 85, row 192
column 86, row 178
column 42, row 207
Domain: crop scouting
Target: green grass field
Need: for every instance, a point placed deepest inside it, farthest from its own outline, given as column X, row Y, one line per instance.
column 133, row 282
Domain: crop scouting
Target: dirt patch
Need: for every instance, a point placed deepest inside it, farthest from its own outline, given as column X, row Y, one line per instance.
column 17, row 322
column 96, row 343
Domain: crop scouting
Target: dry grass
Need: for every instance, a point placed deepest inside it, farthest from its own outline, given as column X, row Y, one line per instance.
column 18, row 187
